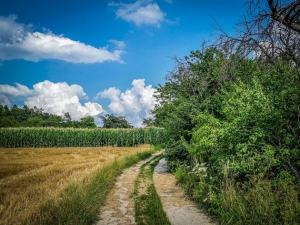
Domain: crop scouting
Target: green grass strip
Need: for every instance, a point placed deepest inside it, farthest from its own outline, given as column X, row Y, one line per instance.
column 148, row 207
column 80, row 203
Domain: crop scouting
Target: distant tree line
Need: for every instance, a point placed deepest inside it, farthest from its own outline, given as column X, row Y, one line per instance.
column 36, row 117
column 111, row 121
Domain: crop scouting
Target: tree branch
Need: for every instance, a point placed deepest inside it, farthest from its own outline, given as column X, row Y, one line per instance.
column 288, row 15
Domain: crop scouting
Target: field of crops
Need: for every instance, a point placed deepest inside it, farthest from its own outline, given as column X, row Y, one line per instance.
column 55, row 137
column 31, row 176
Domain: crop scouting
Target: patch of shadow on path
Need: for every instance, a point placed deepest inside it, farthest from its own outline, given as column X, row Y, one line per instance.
column 179, row 209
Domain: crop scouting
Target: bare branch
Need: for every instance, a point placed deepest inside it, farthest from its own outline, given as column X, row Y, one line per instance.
column 287, row 15
column 261, row 37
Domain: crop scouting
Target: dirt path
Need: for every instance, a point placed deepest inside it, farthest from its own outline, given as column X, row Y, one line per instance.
column 179, row 209
column 119, row 208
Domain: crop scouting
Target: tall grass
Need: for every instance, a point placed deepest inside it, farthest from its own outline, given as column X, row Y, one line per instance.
column 80, row 202
column 259, row 201
column 70, row 137
column 255, row 201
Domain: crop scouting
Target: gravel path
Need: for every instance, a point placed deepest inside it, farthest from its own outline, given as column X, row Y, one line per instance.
column 119, row 207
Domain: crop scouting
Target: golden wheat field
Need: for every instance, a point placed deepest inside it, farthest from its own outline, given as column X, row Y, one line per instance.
column 30, row 176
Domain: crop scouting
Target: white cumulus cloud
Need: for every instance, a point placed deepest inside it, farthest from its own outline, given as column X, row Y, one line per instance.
column 140, row 12
column 4, row 100
column 19, row 90
column 111, row 93
column 9, row 93
column 59, row 98
column 135, row 103
column 17, row 41
column 54, row 98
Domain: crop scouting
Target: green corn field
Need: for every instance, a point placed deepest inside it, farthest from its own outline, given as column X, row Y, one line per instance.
column 67, row 137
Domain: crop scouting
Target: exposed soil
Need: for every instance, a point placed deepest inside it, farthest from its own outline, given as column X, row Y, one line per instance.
column 119, row 208
column 179, row 209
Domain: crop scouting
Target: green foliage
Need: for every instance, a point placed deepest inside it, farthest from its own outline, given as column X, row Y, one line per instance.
column 111, row 121
column 148, row 122
column 88, row 122
column 259, row 132
column 204, row 141
column 8, row 121
column 176, row 152
column 158, row 146
column 234, row 120
column 189, row 89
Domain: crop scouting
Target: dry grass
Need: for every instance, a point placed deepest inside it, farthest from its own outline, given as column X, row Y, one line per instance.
column 31, row 176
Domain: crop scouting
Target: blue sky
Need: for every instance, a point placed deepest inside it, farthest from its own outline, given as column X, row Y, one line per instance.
column 94, row 57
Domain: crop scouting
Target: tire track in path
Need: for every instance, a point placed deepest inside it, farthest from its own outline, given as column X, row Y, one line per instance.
column 119, row 207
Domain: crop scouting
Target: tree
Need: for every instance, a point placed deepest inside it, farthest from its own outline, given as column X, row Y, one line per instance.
column 111, row 121
column 67, row 120
column 2, row 112
column 34, row 122
column 18, row 113
column 286, row 12
column 234, row 109
column 67, row 117
column 36, row 117
column 6, row 111
column 270, row 32
column 192, row 87
column 8, row 121
column 88, row 122
column 148, row 122
column 52, row 121
column 26, row 113
column 36, row 112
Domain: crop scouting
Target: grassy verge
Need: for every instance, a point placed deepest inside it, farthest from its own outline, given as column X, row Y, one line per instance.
column 148, row 207
column 80, row 203
column 256, row 201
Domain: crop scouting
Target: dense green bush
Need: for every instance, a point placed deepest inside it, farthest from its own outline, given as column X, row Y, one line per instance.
column 233, row 136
